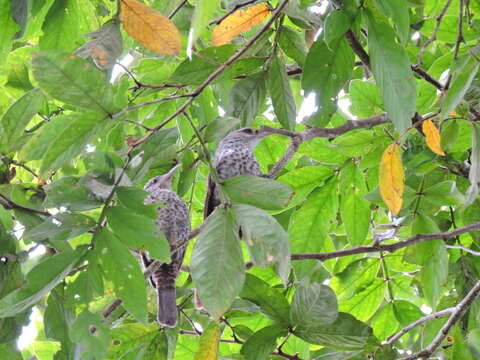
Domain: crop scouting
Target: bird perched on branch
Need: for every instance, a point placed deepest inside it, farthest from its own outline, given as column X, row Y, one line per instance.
column 173, row 219
column 234, row 157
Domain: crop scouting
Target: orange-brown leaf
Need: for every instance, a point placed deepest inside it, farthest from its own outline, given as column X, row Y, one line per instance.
column 432, row 137
column 240, row 21
column 150, row 28
column 391, row 178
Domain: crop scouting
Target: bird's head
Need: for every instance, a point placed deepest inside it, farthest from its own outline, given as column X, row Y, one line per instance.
column 249, row 136
column 161, row 181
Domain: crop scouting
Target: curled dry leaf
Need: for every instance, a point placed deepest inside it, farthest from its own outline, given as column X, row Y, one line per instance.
column 391, row 179
column 240, row 21
column 150, row 28
column 105, row 47
column 432, row 137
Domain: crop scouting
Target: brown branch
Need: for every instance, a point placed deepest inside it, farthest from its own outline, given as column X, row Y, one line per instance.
column 433, row 37
column 358, row 48
column 292, row 149
column 111, row 308
column 9, row 204
column 456, row 315
column 420, row 321
column 427, row 77
column 207, row 82
column 390, row 247
column 235, row 8
column 459, row 247
column 177, row 9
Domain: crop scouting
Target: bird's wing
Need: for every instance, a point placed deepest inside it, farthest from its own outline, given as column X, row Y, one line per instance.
column 211, row 200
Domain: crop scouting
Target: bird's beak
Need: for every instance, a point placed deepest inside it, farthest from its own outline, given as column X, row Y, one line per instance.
column 172, row 171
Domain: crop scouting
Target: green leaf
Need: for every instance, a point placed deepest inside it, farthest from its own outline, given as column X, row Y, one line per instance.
column 95, row 345
column 217, row 266
column 133, row 197
column 267, row 241
column 313, row 305
column 397, row 10
column 9, row 28
column 69, row 192
column 61, row 226
column 312, row 222
column 10, row 351
column 474, row 172
column 366, row 99
column 61, row 140
column 40, row 280
column 62, row 19
column 355, row 210
column 246, row 97
column 442, row 194
column 260, row 344
column 464, row 71
column 202, row 15
column 208, row 347
column 336, row 25
column 219, row 127
column 406, row 312
column 366, row 300
column 121, row 267
column 391, row 68
column 281, row 94
column 257, row 191
column 293, row 44
column 138, row 231
column 345, row 333
column 74, row 81
column 331, row 354
column 58, row 319
column 271, row 301
column 326, row 70
column 303, row 180
column 17, row 117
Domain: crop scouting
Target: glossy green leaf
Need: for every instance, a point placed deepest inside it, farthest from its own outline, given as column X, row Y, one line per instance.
column 257, row 191
column 121, row 267
column 9, row 28
column 202, row 15
column 356, row 143
column 293, row 44
column 313, row 305
column 89, row 330
column 327, row 68
column 354, row 209
column 17, row 117
column 391, row 68
column 366, row 301
column 260, row 344
column 281, row 94
column 336, row 25
column 266, row 240
column 138, row 232
column 397, row 10
column 271, row 301
column 366, row 99
column 217, row 266
column 345, row 333
column 40, row 280
column 74, row 81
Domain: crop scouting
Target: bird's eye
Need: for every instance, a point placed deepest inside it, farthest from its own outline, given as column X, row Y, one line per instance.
column 247, row 131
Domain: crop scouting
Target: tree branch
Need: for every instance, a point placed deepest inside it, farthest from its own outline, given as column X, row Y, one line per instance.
column 9, row 204
column 459, row 247
column 390, row 247
column 456, row 314
column 235, row 8
column 420, row 321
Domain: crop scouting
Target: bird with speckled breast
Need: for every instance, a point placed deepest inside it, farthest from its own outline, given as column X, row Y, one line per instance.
column 234, row 157
column 173, row 219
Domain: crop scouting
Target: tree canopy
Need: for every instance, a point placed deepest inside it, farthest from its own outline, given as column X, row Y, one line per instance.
column 362, row 239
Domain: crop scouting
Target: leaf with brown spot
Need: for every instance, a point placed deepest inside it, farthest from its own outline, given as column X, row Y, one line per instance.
column 240, row 21
column 432, row 137
column 150, row 28
column 391, row 178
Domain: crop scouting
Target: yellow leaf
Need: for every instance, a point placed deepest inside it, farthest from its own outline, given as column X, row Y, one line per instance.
column 453, row 113
column 391, row 179
column 240, row 21
column 432, row 137
column 150, row 28
column 208, row 347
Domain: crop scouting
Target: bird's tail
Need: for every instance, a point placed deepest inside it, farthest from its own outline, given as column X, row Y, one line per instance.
column 167, row 307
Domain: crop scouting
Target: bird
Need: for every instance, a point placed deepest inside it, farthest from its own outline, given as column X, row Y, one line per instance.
column 234, row 157
column 173, row 219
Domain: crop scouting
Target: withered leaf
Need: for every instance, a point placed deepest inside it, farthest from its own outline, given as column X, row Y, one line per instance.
column 392, row 178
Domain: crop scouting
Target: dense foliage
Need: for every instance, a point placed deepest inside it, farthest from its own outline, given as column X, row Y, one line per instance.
column 333, row 261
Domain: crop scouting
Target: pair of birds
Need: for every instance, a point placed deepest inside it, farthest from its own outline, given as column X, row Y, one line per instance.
column 234, row 157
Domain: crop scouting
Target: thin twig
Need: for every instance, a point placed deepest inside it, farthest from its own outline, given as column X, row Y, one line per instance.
column 433, row 37
column 456, row 315
column 9, row 204
column 177, row 9
column 392, row 339
column 390, row 247
column 459, row 247
column 235, row 8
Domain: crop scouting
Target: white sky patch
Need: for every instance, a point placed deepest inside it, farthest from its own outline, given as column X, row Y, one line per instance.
column 344, row 104
column 29, row 332
column 319, row 9
column 190, row 44
column 40, row 250
column 416, row 36
column 89, row 148
column 426, row 309
column 221, row 111
column 117, row 70
column 307, row 108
